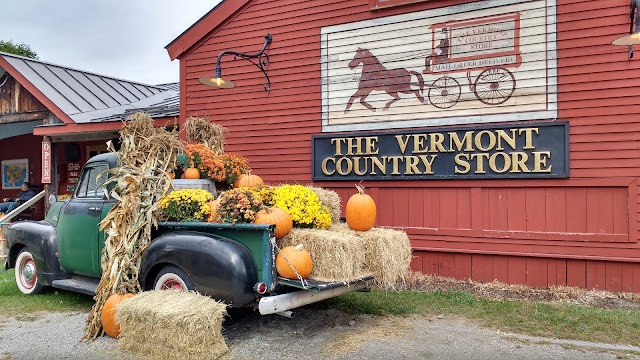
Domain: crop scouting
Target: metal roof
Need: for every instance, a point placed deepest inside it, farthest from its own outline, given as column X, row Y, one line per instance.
column 168, row 107
column 85, row 96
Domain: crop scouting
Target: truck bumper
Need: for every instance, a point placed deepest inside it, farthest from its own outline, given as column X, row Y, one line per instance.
column 279, row 303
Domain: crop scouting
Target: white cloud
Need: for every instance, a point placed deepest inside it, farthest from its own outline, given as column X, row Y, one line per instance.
column 120, row 38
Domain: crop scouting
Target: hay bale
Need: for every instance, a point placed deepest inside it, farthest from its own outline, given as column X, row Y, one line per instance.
column 161, row 324
column 330, row 199
column 336, row 256
column 387, row 254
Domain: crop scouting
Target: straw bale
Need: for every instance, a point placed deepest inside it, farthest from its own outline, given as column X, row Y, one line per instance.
column 330, row 199
column 335, row 256
column 201, row 130
column 387, row 254
column 170, row 324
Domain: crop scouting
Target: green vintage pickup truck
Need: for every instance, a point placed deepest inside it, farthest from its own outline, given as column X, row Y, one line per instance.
column 234, row 264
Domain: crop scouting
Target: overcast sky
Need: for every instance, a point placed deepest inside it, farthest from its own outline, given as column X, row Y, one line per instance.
column 120, row 38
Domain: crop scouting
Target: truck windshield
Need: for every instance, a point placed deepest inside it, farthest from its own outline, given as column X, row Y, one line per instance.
column 93, row 179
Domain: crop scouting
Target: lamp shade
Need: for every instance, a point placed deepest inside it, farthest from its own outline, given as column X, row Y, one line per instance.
column 628, row 40
column 217, row 82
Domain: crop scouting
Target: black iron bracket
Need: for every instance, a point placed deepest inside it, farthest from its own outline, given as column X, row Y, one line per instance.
column 261, row 56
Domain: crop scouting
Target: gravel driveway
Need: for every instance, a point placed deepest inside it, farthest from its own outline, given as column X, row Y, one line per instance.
column 311, row 334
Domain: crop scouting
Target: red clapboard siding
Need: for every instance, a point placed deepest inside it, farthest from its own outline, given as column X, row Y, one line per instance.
column 579, row 232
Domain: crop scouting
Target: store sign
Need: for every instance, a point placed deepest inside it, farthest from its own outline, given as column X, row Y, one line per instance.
column 46, row 162
column 514, row 151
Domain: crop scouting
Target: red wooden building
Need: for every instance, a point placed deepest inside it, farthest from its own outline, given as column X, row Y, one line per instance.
column 488, row 65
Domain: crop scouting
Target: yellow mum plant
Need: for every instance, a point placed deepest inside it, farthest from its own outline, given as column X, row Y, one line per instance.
column 303, row 205
column 186, row 205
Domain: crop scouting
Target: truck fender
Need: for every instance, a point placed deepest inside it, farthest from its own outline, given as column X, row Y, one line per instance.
column 219, row 267
column 40, row 238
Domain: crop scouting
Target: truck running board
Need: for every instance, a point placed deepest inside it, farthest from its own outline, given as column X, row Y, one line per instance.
column 280, row 303
column 81, row 285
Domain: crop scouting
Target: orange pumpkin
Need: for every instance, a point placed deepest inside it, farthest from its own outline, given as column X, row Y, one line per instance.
column 213, row 207
column 299, row 259
column 251, row 181
column 192, row 173
column 237, row 182
column 360, row 211
column 109, row 324
column 279, row 217
column 171, row 175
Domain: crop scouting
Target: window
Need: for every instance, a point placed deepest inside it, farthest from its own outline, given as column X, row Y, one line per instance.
column 92, row 182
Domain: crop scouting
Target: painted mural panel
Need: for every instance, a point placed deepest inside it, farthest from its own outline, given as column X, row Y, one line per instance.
column 481, row 62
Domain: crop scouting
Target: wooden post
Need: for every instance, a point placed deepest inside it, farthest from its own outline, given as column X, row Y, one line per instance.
column 47, row 178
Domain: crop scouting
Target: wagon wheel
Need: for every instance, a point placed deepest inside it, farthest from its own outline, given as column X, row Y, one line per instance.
column 444, row 92
column 494, row 86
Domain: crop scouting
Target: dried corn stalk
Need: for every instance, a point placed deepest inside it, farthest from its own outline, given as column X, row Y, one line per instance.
column 201, row 130
column 145, row 156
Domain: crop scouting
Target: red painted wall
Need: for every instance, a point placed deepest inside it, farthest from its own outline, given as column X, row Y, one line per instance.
column 21, row 147
column 580, row 231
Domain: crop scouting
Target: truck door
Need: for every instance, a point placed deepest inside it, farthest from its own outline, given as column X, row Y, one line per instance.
column 78, row 233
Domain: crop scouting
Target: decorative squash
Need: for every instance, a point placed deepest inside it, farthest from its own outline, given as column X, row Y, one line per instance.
column 279, row 217
column 213, row 207
column 251, row 181
column 171, row 175
column 360, row 211
column 109, row 324
column 192, row 173
column 299, row 259
column 237, row 182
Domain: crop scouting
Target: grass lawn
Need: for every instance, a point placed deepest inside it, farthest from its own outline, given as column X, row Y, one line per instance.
column 563, row 321
column 14, row 303
column 534, row 318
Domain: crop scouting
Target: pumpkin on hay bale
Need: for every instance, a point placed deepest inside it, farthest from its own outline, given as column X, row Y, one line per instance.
column 387, row 254
column 335, row 256
column 171, row 324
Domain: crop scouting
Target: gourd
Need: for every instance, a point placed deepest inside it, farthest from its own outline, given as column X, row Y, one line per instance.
column 192, row 173
column 251, row 181
column 213, row 207
column 235, row 183
column 277, row 216
column 360, row 211
column 109, row 324
column 299, row 259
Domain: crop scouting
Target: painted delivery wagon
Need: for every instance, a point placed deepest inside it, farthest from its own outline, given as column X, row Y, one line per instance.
column 489, row 44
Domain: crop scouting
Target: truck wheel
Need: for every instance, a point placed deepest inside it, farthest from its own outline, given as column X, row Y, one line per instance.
column 173, row 278
column 26, row 274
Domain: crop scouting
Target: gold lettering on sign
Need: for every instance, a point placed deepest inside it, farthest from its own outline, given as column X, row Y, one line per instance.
column 462, row 160
column 479, row 162
column 325, row 168
column 371, row 145
column 379, row 164
column 411, row 165
column 436, row 140
column 338, row 144
column 493, row 163
column 528, row 136
column 491, row 137
column 402, row 144
column 427, row 163
column 540, row 160
column 519, row 162
column 418, row 144
column 466, row 141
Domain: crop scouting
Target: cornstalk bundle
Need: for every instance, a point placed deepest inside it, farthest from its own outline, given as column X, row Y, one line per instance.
column 201, row 130
column 145, row 156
